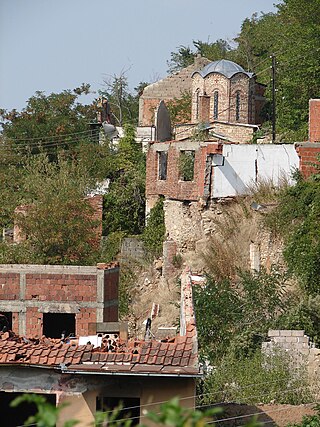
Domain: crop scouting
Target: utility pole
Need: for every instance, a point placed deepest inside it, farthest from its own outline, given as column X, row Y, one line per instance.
column 273, row 97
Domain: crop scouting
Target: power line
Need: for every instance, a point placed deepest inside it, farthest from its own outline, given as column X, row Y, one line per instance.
column 254, row 414
column 50, row 137
column 214, row 404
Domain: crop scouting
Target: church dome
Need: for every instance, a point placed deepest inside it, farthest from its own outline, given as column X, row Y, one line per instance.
column 224, row 67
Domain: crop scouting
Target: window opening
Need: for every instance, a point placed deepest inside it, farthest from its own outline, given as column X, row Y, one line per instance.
column 12, row 417
column 5, row 321
column 215, row 104
column 132, row 404
column 57, row 324
column 237, row 106
column 186, row 165
column 162, row 165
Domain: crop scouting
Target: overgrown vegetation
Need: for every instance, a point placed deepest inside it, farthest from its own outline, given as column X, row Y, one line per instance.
column 296, row 219
column 180, row 109
column 186, row 165
column 235, row 315
column 257, row 379
column 52, row 172
column 154, row 232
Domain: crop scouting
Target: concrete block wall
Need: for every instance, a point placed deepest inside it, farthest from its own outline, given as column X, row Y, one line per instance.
column 298, row 346
column 28, row 291
column 132, row 248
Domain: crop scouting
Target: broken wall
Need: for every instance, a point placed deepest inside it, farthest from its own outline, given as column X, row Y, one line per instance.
column 298, row 346
column 193, row 226
column 169, row 88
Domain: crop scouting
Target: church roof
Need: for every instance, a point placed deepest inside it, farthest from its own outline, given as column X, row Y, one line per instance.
column 224, row 67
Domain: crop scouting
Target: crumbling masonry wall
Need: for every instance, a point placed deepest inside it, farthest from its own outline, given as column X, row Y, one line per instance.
column 28, row 291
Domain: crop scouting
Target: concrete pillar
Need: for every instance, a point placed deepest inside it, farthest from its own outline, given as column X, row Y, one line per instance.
column 254, row 257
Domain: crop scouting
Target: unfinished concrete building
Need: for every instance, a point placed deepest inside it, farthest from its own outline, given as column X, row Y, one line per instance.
column 51, row 299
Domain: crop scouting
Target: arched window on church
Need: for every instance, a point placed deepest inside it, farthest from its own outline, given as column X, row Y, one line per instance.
column 215, row 104
column 197, row 103
column 237, row 105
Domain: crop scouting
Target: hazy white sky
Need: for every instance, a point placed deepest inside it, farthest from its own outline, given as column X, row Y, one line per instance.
column 51, row 45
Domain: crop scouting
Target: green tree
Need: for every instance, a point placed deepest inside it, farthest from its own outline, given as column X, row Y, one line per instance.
column 296, row 219
column 55, row 120
column 180, row 59
column 154, row 232
column 180, row 109
column 125, row 200
column 47, row 414
column 124, row 104
column 238, row 313
column 58, row 223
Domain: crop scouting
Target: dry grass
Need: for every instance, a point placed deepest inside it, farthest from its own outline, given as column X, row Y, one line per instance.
column 228, row 249
column 265, row 190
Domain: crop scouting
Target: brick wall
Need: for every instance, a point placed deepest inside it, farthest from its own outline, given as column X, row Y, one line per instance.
column 169, row 253
column 96, row 202
column 9, row 286
column 28, row 291
column 308, row 157
column 251, row 97
column 173, row 187
column 314, row 120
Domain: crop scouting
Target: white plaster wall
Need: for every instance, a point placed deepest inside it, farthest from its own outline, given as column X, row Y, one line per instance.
column 245, row 164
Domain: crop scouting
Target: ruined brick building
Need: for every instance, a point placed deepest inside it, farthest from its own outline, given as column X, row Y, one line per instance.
column 167, row 89
column 193, row 175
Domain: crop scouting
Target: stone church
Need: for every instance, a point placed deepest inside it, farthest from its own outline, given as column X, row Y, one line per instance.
column 224, row 91
column 225, row 97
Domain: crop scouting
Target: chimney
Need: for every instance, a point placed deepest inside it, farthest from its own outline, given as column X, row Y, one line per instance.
column 314, row 120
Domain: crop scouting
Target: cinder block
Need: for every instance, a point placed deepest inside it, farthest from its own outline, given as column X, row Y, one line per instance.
column 273, row 333
column 292, row 339
column 279, row 340
column 285, row 333
column 304, row 339
column 297, row 333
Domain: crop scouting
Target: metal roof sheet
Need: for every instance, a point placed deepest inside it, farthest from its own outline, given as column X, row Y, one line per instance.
column 224, row 67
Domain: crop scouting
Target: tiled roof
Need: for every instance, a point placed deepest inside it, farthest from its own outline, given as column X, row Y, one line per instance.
column 172, row 357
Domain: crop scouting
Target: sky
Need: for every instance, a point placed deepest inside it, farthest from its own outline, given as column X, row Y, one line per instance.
column 52, row 45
